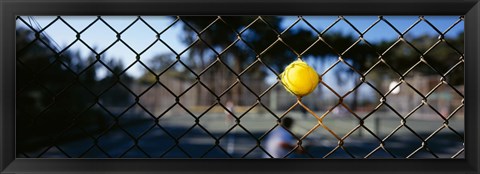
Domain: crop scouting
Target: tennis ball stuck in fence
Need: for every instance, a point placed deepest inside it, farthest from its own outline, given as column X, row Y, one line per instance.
column 299, row 78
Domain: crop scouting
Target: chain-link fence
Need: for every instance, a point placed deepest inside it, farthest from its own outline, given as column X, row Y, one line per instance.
column 218, row 94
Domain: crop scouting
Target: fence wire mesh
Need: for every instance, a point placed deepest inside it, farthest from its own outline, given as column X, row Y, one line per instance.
column 77, row 105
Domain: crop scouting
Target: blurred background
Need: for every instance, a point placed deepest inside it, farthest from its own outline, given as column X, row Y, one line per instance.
column 207, row 87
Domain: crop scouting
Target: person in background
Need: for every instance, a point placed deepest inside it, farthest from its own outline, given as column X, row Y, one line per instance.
column 280, row 142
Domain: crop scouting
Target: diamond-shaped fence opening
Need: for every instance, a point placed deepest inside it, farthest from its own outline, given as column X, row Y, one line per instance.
column 88, row 36
column 211, row 87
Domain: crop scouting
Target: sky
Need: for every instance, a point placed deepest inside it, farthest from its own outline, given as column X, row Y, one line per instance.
column 100, row 36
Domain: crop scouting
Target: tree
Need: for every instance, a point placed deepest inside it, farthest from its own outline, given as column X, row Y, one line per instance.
column 261, row 35
column 257, row 40
column 442, row 56
column 219, row 36
column 56, row 93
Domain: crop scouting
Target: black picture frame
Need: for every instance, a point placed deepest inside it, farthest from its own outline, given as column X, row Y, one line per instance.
column 9, row 9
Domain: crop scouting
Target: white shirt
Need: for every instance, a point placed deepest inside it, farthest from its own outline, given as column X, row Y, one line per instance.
column 274, row 141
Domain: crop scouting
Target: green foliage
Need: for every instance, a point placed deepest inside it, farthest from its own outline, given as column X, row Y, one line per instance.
column 263, row 33
column 57, row 93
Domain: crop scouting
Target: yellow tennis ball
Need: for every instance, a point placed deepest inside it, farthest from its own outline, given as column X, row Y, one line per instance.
column 299, row 78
